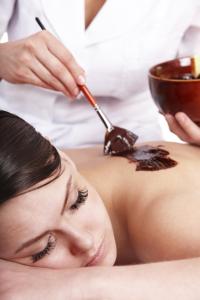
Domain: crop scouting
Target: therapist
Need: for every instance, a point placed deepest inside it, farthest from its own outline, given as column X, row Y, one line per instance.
column 113, row 43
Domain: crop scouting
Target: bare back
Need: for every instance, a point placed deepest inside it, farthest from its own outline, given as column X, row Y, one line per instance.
column 161, row 209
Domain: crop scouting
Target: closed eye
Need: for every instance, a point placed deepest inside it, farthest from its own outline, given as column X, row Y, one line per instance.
column 47, row 250
column 81, row 198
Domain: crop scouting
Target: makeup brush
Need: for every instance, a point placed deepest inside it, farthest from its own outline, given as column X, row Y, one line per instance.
column 117, row 140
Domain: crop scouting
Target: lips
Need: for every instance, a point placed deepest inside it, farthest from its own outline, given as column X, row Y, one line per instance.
column 97, row 257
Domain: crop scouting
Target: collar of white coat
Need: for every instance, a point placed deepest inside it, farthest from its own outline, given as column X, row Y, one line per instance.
column 67, row 19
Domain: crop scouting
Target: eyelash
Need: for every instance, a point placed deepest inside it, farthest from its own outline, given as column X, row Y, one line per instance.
column 82, row 197
column 46, row 251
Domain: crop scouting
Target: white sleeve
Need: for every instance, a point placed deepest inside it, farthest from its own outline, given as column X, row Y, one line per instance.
column 190, row 44
column 6, row 11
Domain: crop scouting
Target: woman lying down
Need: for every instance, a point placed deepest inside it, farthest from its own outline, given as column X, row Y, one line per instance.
column 97, row 230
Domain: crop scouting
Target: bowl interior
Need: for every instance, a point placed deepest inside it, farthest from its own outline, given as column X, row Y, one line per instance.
column 173, row 70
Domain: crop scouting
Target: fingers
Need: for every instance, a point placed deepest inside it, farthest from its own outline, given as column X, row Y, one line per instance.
column 30, row 77
column 176, row 128
column 52, row 63
column 56, row 74
column 46, row 78
column 184, row 128
column 191, row 129
column 33, row 72
column 66, row 58
column 43, row 61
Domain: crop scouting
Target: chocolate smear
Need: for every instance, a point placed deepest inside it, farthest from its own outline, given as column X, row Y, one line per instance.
column 148, row 158
column 119, row 142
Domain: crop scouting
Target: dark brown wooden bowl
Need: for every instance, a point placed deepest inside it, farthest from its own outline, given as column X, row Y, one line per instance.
column 172, row 94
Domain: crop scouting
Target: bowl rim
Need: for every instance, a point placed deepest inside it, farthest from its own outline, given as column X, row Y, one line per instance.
column 150, row 75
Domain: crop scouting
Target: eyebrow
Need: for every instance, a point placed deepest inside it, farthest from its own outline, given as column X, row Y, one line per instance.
column 67, row 192
column 35, row 239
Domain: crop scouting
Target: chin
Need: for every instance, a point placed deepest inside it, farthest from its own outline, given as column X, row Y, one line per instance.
column 110, row 261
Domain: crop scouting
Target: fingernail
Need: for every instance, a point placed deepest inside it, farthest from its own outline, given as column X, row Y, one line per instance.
column 181, row 117
column 81, row 80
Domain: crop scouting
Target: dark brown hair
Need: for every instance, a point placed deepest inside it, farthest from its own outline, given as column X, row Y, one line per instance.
column 26, row 157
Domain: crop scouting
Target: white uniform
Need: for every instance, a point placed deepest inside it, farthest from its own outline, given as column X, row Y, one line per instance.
column 124, row 40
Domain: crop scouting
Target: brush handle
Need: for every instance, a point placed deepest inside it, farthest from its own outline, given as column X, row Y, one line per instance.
column 87, row 93
column 40, row 23
column 103, row 118
column 98, row 110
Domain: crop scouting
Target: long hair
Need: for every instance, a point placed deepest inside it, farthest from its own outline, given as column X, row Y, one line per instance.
column 26, row 157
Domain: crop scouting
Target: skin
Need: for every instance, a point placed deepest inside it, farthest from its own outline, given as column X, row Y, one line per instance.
column 43, row 61
column 91, row 10
column 73, row 236
column 151, row 223
column 161, row 212
column 184, row 128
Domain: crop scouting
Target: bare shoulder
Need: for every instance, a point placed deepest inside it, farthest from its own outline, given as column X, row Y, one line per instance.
column 92, row 160
column 163, row 207
column 83, row 156
column 168, row 228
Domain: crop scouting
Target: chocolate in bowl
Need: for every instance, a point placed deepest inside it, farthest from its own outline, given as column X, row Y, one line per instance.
column 174, row 88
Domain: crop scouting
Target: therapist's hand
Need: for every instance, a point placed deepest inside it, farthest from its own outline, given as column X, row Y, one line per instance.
column 184, row 128
column 43, row 61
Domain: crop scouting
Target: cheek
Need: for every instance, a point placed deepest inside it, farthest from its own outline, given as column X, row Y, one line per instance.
column 96, row 211
column 5, row 248
column 10, row 235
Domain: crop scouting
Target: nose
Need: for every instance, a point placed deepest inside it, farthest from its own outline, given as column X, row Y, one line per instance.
column 81, row 244
column 79, row 241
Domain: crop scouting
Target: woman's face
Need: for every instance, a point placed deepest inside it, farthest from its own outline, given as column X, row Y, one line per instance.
column 59, row 225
